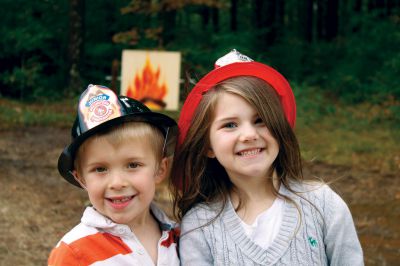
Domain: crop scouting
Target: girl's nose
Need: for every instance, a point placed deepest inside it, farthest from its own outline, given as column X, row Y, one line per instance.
column 248, row 133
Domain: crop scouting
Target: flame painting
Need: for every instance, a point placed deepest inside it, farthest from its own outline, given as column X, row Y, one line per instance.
column 152, row 78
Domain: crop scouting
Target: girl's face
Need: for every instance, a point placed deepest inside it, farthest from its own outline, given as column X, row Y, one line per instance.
column 240, row 140
column 120, row 179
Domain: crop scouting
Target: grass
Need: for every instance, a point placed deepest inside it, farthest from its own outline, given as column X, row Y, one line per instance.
column 364, row 135
column 14, row 114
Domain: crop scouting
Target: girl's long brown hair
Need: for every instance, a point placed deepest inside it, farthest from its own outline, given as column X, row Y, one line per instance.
column 195, row 178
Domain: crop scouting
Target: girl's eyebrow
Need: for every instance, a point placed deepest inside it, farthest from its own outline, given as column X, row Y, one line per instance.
column 228, row 118
column 225, row 119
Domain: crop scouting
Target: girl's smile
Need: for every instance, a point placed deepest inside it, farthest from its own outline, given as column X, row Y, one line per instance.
column 249, row 152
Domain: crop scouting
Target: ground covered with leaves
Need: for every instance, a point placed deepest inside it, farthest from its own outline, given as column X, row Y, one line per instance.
column 37, row 206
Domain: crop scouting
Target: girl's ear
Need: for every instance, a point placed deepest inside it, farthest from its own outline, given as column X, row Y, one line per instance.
column 162, row 170
column 79, row 179
column 210, row 153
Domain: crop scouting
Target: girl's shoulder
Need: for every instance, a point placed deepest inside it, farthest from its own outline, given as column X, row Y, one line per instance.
column 319, row 194
column 308, row 189
column 201, row 215
column 204, row 210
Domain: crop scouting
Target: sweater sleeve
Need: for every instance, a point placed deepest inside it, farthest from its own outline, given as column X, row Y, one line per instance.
column 341, row 241
column 193, row 247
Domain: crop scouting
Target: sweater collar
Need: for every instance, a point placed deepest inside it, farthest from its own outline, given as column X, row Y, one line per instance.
column 279, row 245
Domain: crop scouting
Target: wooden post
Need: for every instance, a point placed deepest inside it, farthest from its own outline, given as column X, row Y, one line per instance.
column 114, row 75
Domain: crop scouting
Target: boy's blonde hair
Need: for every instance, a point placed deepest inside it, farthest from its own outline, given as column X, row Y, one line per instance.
column 125, row 132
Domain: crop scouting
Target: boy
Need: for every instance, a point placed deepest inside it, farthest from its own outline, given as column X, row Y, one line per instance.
column 119, row 153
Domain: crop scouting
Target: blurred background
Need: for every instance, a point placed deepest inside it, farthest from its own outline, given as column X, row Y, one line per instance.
column 342, row 59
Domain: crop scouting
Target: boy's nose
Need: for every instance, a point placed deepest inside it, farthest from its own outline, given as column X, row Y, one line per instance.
column 117, row 181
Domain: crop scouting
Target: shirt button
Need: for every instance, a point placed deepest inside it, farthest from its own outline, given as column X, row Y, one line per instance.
column 121, row 230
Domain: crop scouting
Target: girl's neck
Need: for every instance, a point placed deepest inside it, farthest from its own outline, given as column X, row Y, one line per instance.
column 255, row 189
column 253, row 198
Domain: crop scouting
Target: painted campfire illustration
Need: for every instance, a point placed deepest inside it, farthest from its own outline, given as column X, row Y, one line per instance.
column 147, row 87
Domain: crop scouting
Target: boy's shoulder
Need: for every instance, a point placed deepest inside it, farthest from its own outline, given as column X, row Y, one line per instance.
column 80, row 231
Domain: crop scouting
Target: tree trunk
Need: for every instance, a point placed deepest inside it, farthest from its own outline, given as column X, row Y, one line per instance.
column 306, row 20
column 258, row 14
column 332, row 19
column 215, row 18
column 321, row 28
column 280, row 13
column 270, row 21
column 169, row 26
column 357, row 7
column 392, row 6
column 75, row 45
column 234, row 15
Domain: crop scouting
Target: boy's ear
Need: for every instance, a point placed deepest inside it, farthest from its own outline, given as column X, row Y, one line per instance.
column 162, row 170
column 79, row 179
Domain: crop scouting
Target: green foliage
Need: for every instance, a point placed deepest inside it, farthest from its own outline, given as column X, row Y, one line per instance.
column 368, row 69
column 311, row 104
column 361, row 64
column 32, row 43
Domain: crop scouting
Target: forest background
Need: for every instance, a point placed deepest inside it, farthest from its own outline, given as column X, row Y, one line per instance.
column 342, row 59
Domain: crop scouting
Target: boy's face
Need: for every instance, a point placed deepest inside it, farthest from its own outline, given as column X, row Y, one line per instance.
column 121, row 179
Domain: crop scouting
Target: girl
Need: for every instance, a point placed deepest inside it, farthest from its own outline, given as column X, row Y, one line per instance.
column 238, row 181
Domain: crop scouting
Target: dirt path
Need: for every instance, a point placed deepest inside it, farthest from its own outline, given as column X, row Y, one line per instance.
column 37, row 207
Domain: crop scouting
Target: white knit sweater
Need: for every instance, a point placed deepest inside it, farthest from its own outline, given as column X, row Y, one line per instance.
column 323, row 236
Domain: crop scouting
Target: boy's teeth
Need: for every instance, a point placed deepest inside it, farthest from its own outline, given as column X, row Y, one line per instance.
column 250, row 152
column 121, row 200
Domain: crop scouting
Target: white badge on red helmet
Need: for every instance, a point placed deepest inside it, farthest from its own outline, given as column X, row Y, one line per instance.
column 232, row 57
column 97, row 105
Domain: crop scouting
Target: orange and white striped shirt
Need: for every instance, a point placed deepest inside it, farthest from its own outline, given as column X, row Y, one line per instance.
column 98, row 241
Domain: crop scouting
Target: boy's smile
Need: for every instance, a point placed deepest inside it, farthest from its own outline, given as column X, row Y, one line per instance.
column 120, row 178
column 119, row 202
column 240, row 140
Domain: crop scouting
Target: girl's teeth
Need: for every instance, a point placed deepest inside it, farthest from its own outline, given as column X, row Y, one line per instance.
column 250, row 152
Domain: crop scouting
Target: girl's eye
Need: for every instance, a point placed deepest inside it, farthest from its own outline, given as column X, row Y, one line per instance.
column 133, row 165
column 229, row 125
column 259, row 121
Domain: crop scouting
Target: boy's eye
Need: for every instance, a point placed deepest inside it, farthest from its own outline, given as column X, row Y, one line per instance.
column 100, row 169
column 229, row 125
column 133, row 165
